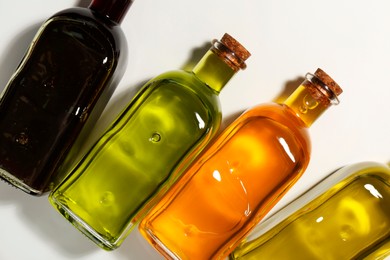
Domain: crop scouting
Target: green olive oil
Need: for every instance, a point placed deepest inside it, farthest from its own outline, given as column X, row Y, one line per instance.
column 166, row 125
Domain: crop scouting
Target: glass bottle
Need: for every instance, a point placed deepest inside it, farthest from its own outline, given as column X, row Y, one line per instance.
column 240, row 177
column 168, row 123
column 61, row 86
column 344, row 216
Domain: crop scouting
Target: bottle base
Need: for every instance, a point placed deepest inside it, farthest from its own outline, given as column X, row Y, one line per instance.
column 83, row 227
column 17, row 183
column 158, row 244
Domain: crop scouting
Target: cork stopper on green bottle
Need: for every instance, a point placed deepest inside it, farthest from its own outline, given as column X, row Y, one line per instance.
column 231, row 51
column 221, row 62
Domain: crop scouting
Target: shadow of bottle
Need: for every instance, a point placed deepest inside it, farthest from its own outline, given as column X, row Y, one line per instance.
column 196, row 54
column 288, row 89
column 17, row 47
column 14, row 53
column 83, row 3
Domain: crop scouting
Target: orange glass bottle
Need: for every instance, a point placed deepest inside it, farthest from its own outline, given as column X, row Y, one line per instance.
column 242, row 175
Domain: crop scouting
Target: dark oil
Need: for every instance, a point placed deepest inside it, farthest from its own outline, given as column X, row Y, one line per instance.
column 67, row 69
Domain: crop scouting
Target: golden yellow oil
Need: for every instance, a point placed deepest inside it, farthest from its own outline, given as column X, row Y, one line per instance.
column 353, row 223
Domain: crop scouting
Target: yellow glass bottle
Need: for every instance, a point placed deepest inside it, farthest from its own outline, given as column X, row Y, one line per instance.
column 240, row 177
column 345, row 216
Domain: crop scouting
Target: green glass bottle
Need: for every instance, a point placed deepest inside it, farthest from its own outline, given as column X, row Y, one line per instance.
column 157, row 135
column 345, row 216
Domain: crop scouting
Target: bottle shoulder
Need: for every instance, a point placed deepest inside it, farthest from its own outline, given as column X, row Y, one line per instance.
column 182, row 77
column 279, row 113
column 84, row 13
column 175, row 92
column 88, row 17
column 272, row 110
column 187, row 82
column 96, row 32
column 356, row 170
column 275, row 121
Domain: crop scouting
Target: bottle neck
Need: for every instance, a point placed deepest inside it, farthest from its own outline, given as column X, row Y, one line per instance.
column 305, row 106
column 115, row 10
column 213, row 71
column 221, row 62
column 314, row 96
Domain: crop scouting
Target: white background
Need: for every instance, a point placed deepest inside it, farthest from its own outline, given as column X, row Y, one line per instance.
column 349, row 39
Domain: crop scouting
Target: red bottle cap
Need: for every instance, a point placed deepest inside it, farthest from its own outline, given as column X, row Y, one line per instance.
column 115, row 10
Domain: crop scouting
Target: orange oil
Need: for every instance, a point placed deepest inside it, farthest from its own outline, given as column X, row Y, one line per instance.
column 231, row 186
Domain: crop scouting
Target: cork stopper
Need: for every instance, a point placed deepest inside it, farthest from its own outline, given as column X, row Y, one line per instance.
column 230, row 50
column 323, row 88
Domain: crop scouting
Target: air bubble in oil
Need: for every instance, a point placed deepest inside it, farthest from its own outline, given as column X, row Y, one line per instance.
column 308, row 103
column 107, row 198
column 346, row 232
column 155, row 138
column 22, row 138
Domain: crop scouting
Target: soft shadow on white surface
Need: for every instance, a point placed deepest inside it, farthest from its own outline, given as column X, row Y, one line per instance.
column 288, row 89
column 350, row 40
column 83, row 3
column 44, row 222
column 195, row 55
column 14, row 52
column 37, row 214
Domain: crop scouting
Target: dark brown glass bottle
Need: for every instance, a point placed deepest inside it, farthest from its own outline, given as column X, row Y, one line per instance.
column 59, row 89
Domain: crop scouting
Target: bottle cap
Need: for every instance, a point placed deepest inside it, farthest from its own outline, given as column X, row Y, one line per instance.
column 232, row 51
column 114, row 10
column 323, row 88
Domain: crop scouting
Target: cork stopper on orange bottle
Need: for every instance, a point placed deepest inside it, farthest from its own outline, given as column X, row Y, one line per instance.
column 323, row 88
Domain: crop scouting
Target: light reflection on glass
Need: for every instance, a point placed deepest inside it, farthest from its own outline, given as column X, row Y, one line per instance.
column 217, row 175
column 77, row 111
column 286, row 148
column 373, row 191
column 200, row 121
column 320, row 219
